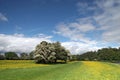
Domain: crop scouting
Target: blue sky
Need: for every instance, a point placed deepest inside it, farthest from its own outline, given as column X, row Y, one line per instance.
column 36, row 16
column 80, row 25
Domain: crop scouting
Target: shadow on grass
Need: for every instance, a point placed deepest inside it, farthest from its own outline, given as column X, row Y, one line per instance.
column 53, row 63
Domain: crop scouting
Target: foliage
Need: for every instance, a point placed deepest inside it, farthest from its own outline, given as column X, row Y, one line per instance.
column 31, row 55
column 11, row 56
column 14, row 56
column 109, row 54
column 50, row 52
column 89, row 56
column 2, row 57
column 104, row 54
column 24, row 56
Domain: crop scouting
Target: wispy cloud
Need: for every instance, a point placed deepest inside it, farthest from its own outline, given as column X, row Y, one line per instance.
column 105, row 14
column 76, row 30
column 109, row 20
column 18, row 29
column 3, row 17
column 43, row 36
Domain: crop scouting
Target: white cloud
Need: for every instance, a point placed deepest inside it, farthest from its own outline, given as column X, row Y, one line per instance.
column 3, row 17
column 20, row 43
column 42, row 36
column 105, row 13
column 85, row 7
column 76, row 30
column 79, row 47
column 109, row 20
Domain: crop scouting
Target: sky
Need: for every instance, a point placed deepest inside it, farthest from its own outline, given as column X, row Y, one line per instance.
column 80, row 25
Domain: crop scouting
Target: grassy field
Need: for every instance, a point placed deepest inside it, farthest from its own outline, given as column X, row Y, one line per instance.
column 8, row 64
column 84, row 70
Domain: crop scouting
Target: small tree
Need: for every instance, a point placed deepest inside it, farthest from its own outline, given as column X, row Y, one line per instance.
column 2, row 57
column 24, row 56
column 31, row 55
column 11, row 56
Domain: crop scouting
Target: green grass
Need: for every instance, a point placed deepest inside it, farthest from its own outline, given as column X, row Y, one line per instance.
column 85, row 70
column 8, row 64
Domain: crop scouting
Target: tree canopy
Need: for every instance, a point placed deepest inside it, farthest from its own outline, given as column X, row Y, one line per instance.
column 11, row 56
column 24, row 56
column 50, row 52
column 104, row 54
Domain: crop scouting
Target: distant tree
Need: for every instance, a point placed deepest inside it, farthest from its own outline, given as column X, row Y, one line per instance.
column 24, row 56
column 11, row 56
column 74, row 57
column 31, row 55
column 2, row 57
column 88, row 56
column 61, row 52
column 117, row 56
column 104, row 54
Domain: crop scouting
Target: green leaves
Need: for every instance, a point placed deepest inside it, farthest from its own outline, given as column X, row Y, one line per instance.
column 50, row 52
column 11, row 55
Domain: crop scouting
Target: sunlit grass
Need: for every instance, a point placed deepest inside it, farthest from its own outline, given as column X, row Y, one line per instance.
column 102, row 70
column 8, row 64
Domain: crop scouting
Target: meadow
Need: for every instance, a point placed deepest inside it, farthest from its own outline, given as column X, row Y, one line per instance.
column 79, row 70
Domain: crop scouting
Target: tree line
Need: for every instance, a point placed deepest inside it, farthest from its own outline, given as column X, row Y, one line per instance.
column 104, row 54
column 15, row 56
column 52, row 52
